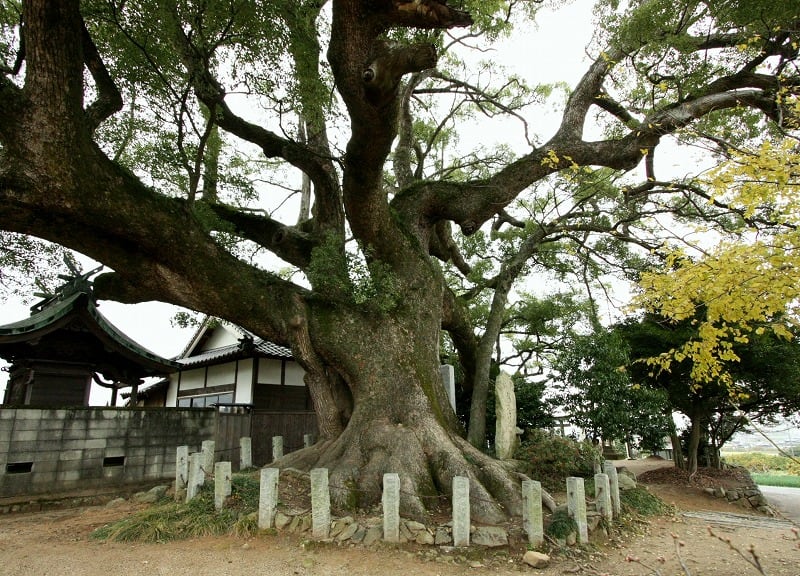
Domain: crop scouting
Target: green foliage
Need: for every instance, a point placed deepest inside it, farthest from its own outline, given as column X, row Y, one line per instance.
column 765, row 374
column 561, row 525
column 328, row 268
column 179, row 521
column 353, row 277
column 375, row 284
column 550, row 458
column 596, row 391
column 29, row 265
column 760, row 462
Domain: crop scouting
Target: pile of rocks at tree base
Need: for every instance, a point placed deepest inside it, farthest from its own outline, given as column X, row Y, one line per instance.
column 432, row 542
column 732, row 483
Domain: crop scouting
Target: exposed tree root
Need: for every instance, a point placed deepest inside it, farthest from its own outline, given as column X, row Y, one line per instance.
column 426, row 458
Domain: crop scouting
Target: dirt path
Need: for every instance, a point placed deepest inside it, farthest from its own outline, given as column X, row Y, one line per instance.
column 57, row 543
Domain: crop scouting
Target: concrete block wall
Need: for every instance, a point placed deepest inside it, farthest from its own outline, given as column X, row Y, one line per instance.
column 55, row 450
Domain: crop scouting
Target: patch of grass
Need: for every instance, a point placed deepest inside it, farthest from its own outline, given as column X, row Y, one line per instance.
column 786, row 480
column 178, row 521
column 641, row 501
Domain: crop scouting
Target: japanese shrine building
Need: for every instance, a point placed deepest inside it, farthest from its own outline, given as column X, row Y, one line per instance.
column 65, row 345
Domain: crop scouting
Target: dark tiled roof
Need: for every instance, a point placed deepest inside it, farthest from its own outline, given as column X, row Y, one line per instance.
column 80, row 306
column 242, row 349
column 269, row 349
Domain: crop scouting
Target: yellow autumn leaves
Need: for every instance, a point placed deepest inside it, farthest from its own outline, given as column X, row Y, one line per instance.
column 748, row 281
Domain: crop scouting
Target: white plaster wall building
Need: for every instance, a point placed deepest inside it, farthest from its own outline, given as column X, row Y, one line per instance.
column 225, row 364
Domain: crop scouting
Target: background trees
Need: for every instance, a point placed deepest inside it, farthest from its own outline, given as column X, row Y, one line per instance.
column 163, row 140
column 764, row 381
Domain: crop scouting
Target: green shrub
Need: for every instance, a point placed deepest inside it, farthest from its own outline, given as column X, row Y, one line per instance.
column 561, row 525
column 550, row 458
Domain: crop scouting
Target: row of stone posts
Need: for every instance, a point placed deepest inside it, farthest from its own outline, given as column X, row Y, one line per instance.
column 207, row 461
column 321, row 506
column 191, row 470
column 606, row 493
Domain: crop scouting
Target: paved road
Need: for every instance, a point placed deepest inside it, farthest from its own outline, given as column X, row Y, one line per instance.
column 785, row 500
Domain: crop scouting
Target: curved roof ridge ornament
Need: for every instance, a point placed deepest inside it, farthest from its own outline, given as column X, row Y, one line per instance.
column 77, row 282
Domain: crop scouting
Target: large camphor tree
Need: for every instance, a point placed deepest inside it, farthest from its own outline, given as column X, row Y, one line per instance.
column 117, row 121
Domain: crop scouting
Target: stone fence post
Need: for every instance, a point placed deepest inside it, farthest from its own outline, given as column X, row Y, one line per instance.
column 576, row 507
column 245, row 453
column 222, row 483
column 207, row 449
column 181, row 471
column 461, row 511
column 613, row 483
column 268, row 497
column 391, row 507
column 277, row 447
column 602, row 495
column 196, row 475
column 320, row 504
column 532, row 518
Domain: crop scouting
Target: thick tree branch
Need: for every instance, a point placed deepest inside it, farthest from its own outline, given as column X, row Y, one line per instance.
column 109, row 99
column 445, row 249
column 585, row 95
column 210, row 92
column 427, row 14
column 456, row 323
column 286, row 242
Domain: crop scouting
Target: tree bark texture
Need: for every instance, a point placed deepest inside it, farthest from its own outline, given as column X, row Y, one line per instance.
column 370, row 346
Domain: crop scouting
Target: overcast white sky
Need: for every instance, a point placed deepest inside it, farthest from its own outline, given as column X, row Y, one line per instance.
column 553, row 52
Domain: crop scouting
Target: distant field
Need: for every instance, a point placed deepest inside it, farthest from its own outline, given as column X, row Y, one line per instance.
column 784, row 480
column 768, row 469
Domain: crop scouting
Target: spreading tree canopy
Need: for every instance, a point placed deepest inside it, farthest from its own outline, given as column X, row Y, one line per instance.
column 149, row 136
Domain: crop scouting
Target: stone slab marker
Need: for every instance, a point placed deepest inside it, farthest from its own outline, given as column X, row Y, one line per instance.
column 391, row 507
column 532, row 518
column 461, row 519
column 245, row 453
column 505, row 436
column 576, row 507
column 268, row 497
column 602, row 496
column 613, row 482
column 181, row 471
column 449, row 381
column 208, row 456
column 320, row 504
column 308, row 440
column 196, row 475
column 222, row 483
column 277, row 447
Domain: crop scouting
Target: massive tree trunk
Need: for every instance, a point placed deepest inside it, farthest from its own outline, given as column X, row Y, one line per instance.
column 402, row 420
column 367, row 335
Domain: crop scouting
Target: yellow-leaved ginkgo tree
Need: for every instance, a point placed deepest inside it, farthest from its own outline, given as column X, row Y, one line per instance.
column 746, row 282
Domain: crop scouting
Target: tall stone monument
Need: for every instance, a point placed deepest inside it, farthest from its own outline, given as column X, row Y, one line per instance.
column 505, row 437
